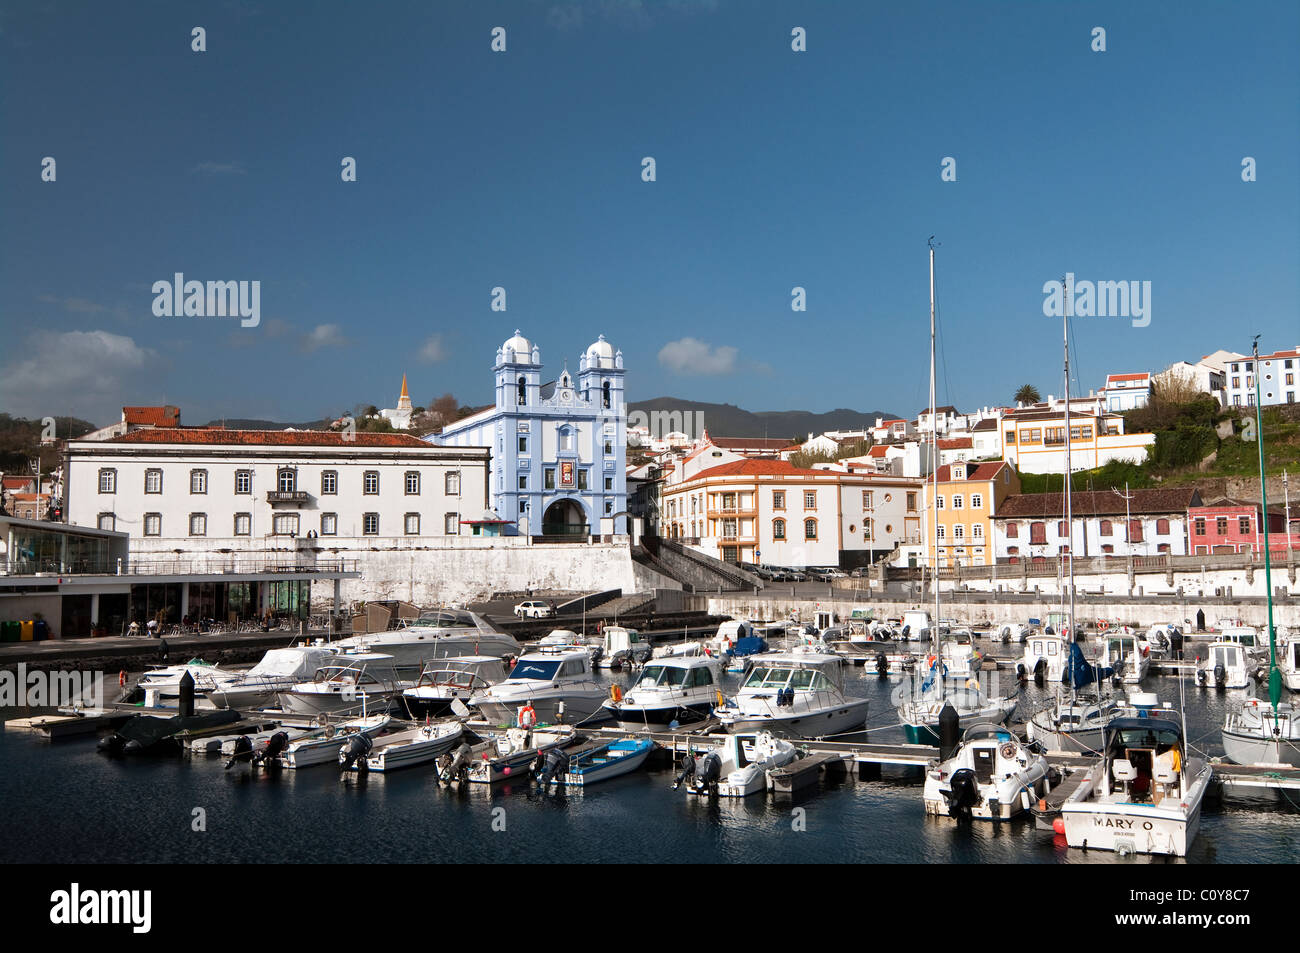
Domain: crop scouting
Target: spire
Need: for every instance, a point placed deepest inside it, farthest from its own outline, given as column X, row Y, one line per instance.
column 404, row 401
column 404, row 393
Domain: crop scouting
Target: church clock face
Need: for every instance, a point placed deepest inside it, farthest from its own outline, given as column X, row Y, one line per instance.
column 566, row 396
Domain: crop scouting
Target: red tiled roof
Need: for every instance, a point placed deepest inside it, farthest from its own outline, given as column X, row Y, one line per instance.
column 167, row 416
column 15, row 483
column 1126, row 377
column 284, row 438
column 877, row 451
column 980, row 471
column 752, row 468
column 1099, row 503
column 956, row 443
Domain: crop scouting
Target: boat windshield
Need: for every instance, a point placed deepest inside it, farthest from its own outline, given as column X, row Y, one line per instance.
column 767, row 678
column 543, row 669
column 1225, row 655
column 666, row 675
column 1147, row 738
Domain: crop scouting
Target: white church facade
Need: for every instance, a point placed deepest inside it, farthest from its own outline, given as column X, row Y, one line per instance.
column 558, row 448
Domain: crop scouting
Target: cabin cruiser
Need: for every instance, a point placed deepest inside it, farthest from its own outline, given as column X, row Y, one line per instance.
column 794, row 694
column 915, row 626
column 669, row 690
column 278, row 670
column 399, row 749
column 1225, row 666
column 355, row 682
column 558, row 685
column 1127, row 652
column 438, row 633
column 1044, row 658
column 621, row 646
column 1144, row 795
column 736, row 766
column 161, row 687
column 737, row 641
column 566, row 639
column 990, row 777
column 443, row 681
column 1255, row 734
column 1166, row 639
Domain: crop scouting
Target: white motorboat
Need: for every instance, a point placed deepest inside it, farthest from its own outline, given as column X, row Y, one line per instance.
column 557, row 685
column 509, row 755
column 1144, row 795
column 278, row 670
column 400, row 749
column 668, row 691
column 1127, row 652
column 1010, row 633
column 1044, row 658
column 324, row 748
column 361, row 682
column 620, row 646
column 437, row 634
column 161, row 686
column 990, row 777
column 443, row 681
column 858, row 637
column 1226, row 665
column 1254, row 734
column 1289, row 661
column 1074, row 723
column 794, row 694
column 736, row 766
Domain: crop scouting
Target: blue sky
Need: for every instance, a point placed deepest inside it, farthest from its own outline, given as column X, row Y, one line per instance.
column 522, row 169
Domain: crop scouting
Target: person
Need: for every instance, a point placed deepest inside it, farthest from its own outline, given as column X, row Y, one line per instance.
column 133, row 628
column 153, row 627
column 162, row 649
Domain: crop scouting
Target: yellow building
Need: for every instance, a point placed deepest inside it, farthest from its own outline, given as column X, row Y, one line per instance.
column 968, row 496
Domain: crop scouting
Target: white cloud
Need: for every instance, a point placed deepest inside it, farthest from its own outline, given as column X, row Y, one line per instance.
column 219, row 168
column 84, row 373
column 691, row 356
column 323, row 335
column 74, row 304
column 433, row 350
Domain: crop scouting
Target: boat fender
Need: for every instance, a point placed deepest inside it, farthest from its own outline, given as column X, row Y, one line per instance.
column 121, row 679
column 616, row 693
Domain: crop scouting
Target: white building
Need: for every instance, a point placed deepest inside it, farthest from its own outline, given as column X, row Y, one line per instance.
column 1034, row 441
column 1126, row 391
column 1030, row 526
column 768, row 511
column 1200, row 376
column 1276, row 386
column 400, row 416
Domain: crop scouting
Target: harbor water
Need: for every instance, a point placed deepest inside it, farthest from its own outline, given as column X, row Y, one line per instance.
column 70, row 804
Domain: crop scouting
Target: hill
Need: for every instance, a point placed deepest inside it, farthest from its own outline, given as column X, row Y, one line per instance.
column 728, row 420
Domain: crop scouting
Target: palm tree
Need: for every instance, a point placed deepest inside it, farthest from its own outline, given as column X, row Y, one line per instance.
column 1028, row 394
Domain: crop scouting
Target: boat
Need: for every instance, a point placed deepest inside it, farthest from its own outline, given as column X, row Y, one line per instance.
column 436, row 634
column 620, row 646
column 1257, row 733
column 736, row 766
column 279, row 669
column 1226, row 665
column 360, row 682
column 558, row 685
column 509, row 755
column 443, row 681
column 1075, row 722
column 605, row 761
column 1127, row 652
column 399, row 749
column 148, row 734
column 668, row 692
column 1144, row 795
column 1009, row 633
column 324, row 748
column 794, row 694
column 991, row 776
column 1289, row 664
column 160, row 687
column 1044, row 658
column 858, row 637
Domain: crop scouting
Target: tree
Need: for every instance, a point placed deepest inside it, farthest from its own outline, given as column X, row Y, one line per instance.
column 1028, row 394
column 444, row 409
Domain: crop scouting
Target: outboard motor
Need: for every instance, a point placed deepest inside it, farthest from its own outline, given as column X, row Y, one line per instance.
column 1117, row 677
column 456, row 766
column 1040, row 672
column 1022, row 673
column 882, row 664
column 907, row 631
column 1176, row 643
column 687, row 775
column 708, row 772
column 243, row 751
column 555, row 763
column 354, row 751
column 112, row 744
column 962, row 794
column 1220, row 675
column 1202, row 677
column 269, row 756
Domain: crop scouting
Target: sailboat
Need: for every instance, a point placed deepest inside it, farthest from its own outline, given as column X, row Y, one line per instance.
column 1252, row 733
column 919, row 715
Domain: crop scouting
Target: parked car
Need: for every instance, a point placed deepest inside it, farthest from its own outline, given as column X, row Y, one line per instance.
column 534, row 609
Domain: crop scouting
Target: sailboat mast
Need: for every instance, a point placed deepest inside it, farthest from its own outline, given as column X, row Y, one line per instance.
column 1274, row 676
column 934, row 462
column 1069, row 472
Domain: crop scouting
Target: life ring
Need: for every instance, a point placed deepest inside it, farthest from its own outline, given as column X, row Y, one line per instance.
column 1008, row 751
column 1102, row 625
column 527, row 716
column 121, row 679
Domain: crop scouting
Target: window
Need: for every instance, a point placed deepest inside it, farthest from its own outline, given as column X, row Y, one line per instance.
column 809, row 529
column 107, row 521
column 370, row 524
column 548, row 478
column 566, row 440
column 1105, row 528
column 1221, row 526
column 582, row 478
column 1107, row 548
column 609, row 447
column 866, row 499
column 604, row 394
column 977, row 530
column 411, row 524
column 198, row 524
column 243, row 481
column 107, row 481
column 153, row 524
column 1135, row 531
column 523, row 444
column 959, row 531
column 1243, row 525
column 523, row 481
column 609, row 486
column 1162, row 527
column 412, row 482
column 957, row 501
column 329, row 524
column 940, row 532
column 778, row 499
column 938, row 502
column 198, row 481
column 329, row 482
column 1013, row 530
column 911, row 502
column 1163, row 548
column 522, row 390
column 1060, row 528
column 153, row 481
column 1037, row 533
column 976, row 501
column 778, row 529
column 1199, row 526
column 810, row 500
column 609, row 507
column 243, row 524
column 285, row 524
column 866, row 531
column 451, row 524
column 453, row 482
column 286, row 480
column 370, row 483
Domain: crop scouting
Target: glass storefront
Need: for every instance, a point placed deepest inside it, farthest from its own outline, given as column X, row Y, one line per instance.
column 38, row 550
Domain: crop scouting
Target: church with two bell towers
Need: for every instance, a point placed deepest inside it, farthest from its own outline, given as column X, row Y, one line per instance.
column 559, row 448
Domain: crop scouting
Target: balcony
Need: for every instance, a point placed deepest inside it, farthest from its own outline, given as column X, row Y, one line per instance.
column 297, row 497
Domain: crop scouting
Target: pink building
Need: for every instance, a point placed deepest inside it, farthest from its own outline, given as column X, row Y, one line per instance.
column 1233, row 526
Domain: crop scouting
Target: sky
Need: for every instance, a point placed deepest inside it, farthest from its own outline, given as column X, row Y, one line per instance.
column 774, row 169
